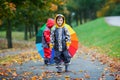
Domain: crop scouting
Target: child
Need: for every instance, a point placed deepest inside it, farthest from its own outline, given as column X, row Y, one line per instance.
column 60, row 41
column 46, row 40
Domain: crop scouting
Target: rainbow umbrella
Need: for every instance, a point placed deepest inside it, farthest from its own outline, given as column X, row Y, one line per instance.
column 39, row 44
column 74, row 41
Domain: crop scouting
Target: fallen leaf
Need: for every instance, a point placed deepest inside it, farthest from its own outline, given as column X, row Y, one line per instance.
column 9, row 70
column 105, row 69
column 87, row 75
column 34, row 78
column 117, row 77
column 93, row 58
column 3, row 79
column 100, row 79
column 1, row 73
column 81, row 70
column 67, row 77
column 40, row 78
column 78, row 79
column 103, row 74
column 14, row 74
column 111, row 74
column 43, row 74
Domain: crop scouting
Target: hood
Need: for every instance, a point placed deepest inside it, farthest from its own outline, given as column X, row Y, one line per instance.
column 59, row 15
column 50, row 23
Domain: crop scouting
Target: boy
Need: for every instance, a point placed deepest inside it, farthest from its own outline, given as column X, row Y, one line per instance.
column 46, row 41
column 60, row 41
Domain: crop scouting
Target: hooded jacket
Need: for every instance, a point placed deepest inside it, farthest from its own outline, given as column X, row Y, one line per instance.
column 60, row 35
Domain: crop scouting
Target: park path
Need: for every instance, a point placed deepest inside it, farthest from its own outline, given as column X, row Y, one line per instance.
column 84, row 66
column 113, row 20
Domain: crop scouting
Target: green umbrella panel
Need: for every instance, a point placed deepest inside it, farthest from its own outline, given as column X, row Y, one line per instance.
column 39, row 35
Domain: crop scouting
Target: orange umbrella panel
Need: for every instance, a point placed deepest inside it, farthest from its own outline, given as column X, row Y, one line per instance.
column 74, row 37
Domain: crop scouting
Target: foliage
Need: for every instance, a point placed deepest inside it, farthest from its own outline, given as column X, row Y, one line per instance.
column 27, row 13
column 111, row 8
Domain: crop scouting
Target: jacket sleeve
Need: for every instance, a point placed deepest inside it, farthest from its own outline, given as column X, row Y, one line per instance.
column 52, row 37
column 47, row 36
column 68, row 38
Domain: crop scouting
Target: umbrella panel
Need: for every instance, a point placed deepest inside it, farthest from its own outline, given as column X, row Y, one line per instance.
column 38, row 39
column 72, row 51
column 71, row 31
column 74, row 37
column 41, row 52
column 74, row 44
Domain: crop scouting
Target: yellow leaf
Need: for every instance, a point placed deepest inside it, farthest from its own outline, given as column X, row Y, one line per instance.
column 3, row 79
column 34, row 78
column 40, row 78
column 43, row 74
column 81, row 70
column 14, row 74
column 78, row 79
column 67, row 77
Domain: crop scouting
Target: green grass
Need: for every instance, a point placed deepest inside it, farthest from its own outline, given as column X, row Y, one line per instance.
column 99, row 34
column 15, row 35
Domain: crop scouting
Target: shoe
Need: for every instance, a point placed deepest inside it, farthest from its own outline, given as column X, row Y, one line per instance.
column 47, row 61
column 66, row 68
column 59, row 69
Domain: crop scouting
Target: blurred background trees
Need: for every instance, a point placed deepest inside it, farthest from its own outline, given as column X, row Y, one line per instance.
column 28, row 15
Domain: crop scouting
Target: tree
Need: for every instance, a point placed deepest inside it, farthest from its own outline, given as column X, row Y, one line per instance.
column 84, row 9
column 110, row 8
column 8, row 13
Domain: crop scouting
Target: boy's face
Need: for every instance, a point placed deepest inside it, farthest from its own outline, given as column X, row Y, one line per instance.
column 59, row 21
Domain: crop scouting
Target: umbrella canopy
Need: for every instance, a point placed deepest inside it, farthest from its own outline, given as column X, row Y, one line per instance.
column 74, row 41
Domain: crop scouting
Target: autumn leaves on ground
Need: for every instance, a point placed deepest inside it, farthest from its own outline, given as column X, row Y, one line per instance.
column 26, row 64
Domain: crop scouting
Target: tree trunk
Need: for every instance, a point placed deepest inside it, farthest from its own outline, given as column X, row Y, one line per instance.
column 85, row 16
column 90, row 14
column 9, row 34
column 81, row 18
column 30, row 32
column 76, row 18
column 69, row 20
column 26, row 33
column 36, row 29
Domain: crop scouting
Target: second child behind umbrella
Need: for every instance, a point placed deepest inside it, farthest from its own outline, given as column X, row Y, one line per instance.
column 46, row 41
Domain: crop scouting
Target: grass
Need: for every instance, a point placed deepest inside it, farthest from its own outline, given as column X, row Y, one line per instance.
column 99, row 34
column 15, row 35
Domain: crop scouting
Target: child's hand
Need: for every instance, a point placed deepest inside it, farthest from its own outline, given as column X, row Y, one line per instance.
column 68, row 45
column 51, row 45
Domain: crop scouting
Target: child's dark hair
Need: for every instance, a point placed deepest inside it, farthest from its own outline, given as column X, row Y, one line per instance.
column 60, row 16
